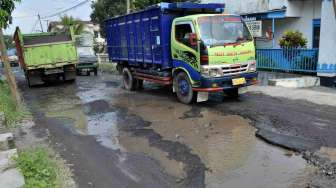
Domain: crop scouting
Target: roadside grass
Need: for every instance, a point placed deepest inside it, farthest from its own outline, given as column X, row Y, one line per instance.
column 12, row 113
column 42, row 169
column 107, row 67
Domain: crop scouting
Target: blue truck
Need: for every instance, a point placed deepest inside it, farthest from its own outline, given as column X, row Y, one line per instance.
column 194, row 48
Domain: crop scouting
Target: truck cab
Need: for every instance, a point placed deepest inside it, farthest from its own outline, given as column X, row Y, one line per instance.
column 215, row 51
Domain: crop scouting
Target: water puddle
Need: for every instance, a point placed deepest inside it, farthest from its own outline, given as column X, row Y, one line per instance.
column 226, row 145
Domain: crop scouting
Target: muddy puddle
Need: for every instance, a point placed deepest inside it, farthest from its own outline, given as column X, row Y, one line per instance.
column 227, row 146
column 197, row 146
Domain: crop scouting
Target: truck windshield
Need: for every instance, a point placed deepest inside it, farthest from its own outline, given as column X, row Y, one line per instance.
column 221, row 30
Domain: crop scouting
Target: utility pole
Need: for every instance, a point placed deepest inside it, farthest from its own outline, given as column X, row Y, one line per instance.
column 334, row 1
column 8, row 71
column 39, row 17
column 128, row 6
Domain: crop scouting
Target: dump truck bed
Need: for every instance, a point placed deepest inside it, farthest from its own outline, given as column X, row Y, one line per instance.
column 45, row 50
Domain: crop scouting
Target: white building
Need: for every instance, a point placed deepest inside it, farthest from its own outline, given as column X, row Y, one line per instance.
column 316, row 19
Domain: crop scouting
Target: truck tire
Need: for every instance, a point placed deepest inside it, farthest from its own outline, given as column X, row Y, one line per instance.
column 183, row 88
column 33, row 80
column 129, row 82
column 232, row 93
column 28, row 81
column 95, row 71
column 139, row 84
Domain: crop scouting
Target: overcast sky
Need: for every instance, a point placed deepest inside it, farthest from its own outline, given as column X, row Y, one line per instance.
column 25, row 14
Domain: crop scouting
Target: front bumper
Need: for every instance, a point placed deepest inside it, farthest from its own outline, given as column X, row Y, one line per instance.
column 87, row 66
column 222, row 83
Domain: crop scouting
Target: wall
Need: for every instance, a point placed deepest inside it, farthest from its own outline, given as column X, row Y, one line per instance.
column 302, row 21
column 242, row 6
column 327, row 55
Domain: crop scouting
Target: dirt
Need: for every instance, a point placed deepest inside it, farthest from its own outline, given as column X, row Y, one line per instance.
column 115, row 138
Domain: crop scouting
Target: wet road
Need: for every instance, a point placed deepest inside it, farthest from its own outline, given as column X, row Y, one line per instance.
column 115, row 138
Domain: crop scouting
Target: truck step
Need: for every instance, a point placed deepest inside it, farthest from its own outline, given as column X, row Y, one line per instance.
column 154, row 72
column 156, row 79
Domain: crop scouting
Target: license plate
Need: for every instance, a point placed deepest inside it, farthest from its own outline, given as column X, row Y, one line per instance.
column 238, row 81
column 53, row 71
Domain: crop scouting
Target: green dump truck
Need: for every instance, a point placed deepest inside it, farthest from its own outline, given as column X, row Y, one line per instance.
column 47, row 56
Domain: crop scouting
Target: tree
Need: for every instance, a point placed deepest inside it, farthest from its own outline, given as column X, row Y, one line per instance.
column 69, row 21
column 104, row 9
column 9, row 41
column 6, row 9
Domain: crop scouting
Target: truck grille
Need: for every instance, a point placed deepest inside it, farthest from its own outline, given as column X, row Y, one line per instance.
column 234, row 69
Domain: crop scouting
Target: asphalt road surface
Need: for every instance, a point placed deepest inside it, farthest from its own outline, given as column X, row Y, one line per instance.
column 115, row 138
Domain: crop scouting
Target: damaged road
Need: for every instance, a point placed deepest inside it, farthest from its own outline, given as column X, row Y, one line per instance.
column 114, row 138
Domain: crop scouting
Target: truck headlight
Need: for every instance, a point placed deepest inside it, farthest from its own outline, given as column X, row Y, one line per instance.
column 215, row 72
column 253, row 66
column 211, row 72
column 205, row 72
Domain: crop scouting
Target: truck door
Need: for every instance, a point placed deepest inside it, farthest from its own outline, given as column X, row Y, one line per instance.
column 184, row 44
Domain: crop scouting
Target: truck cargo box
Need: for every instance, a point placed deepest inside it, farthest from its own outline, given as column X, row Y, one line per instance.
column 144, row 37
column 45, row 50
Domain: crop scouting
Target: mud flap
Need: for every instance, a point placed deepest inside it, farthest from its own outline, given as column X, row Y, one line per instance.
column 70, row 75
column 34, row 80
column 69, row 72
column 202, row 96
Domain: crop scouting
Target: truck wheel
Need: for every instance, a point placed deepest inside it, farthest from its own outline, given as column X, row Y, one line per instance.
column 95, row 71
column 183, row 89
column 129, row 82
column 232, row 93
column 139, row 84
column 28, row 81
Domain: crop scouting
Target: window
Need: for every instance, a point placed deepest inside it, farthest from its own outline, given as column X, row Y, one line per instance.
column 182, row 32
column 316, row 33
column 219, row 30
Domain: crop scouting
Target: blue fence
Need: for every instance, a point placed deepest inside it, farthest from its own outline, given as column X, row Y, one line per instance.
column 288, row 60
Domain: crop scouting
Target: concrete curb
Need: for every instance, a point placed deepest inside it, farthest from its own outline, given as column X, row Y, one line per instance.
column 6, row 141
column 10, row 176
column 301, row 82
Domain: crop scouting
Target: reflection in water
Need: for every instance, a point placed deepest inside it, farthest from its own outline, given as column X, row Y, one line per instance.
column 226, row 144
column 104, row 128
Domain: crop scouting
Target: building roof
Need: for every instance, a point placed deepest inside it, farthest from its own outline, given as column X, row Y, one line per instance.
column 271, row 14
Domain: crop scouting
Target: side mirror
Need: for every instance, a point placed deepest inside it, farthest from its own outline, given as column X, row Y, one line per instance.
column 193, row 39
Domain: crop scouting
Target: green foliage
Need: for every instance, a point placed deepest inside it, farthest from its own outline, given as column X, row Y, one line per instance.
column 38, row 168
column 7, row 105
column 293, row 39
column 69, row 21
column 104, row 9
column 9, row 41
column 6, row 9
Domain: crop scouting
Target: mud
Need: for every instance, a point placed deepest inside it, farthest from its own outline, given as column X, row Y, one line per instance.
column 147, row 139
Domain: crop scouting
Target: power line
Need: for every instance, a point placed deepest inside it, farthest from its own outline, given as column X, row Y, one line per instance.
column 66, row 10
column 22, row 17
column 34, row 26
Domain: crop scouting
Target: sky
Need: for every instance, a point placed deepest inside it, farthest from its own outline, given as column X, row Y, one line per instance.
column 25, row 14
